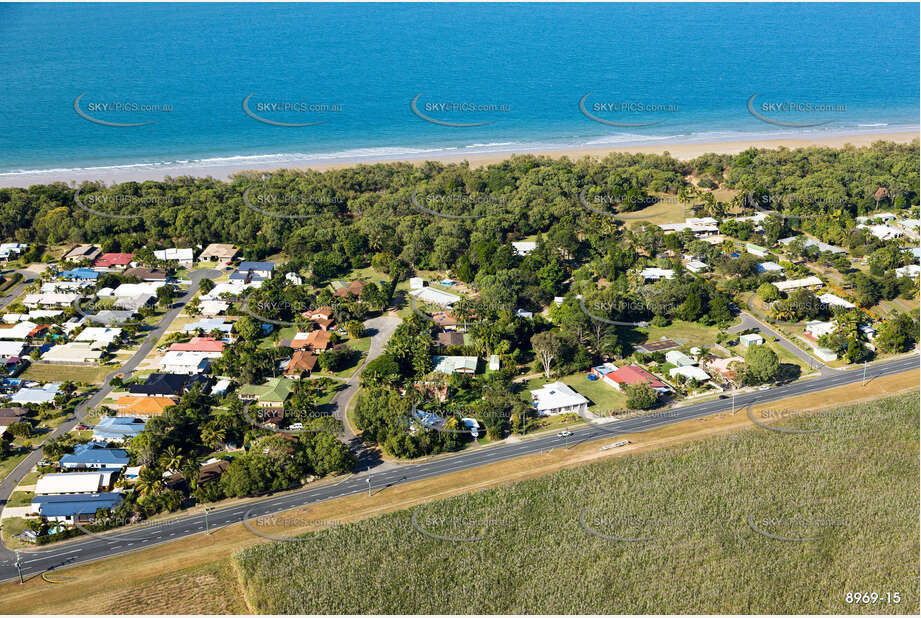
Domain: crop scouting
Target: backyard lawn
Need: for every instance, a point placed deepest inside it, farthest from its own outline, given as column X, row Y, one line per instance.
column 685, row 333
column 604, row 399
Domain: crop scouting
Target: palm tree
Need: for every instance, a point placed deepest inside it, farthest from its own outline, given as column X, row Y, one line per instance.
column 150, row 481
column 172, row 459
column 213, row 437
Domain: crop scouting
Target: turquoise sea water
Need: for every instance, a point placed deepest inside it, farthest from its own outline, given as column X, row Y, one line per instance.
column 683, row 72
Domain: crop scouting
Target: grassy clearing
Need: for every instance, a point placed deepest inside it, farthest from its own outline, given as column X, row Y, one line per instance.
column 851, row 488
column 20, row 498
column 685, row 333
column 91, row 374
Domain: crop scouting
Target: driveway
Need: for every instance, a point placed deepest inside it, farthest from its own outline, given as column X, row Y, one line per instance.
column 13, row 478
column 750, row 321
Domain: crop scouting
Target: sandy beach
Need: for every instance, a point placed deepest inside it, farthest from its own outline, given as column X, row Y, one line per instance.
column 682, row 151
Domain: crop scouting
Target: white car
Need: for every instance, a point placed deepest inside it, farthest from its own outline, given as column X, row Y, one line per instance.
column 763, row 387
column 564, row 434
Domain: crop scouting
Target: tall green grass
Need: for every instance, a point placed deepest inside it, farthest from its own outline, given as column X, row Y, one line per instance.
column 851, row 488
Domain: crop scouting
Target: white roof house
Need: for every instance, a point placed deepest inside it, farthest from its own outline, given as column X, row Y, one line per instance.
column 50, row 299
column 18, row 332
column 99, row 337
column 44, row 394
column 229, row 289
column 416, row 283
column 676, row 357
column 817, row 328
column 435, row 297
column 187, row 363
column 824, row 247
column 886, row 217
column 136, row 289
column 455, row 364
column 558, row 398
column 524, row 247
column 769, row 267
column 883, row 232
column 11, row 348
column 807, row 282
column 751, row 339
column 294, row 279
column 73, row 352
column 213, row 307
column 912, row 271
column 74, row 483
column 692, row 373
column 696, row 266
column 175, row 255
column 654, row 274
column 835, row 301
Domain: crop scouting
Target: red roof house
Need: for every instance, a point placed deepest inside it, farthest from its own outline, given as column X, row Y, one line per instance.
column 108, row 260
column 199, row 344
column 631, row 374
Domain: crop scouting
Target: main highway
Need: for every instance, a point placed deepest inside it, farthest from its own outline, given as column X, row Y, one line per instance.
column 113, row 543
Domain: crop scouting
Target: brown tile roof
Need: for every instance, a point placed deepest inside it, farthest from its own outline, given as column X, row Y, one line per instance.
column 147, row 274
column 354, row 288
column 301, row 361
column 447, row 339
column 143, row 406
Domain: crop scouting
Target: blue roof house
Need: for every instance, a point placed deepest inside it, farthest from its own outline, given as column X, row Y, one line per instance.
column 95, row 456
column 70, row 508
column 80, row 274
column 117, row 428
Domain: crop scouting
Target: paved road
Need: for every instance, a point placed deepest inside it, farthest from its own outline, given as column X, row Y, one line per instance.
column 750, row 321
column 13, row 478
column 380, row 328
column 28, row 276
column 103, row 546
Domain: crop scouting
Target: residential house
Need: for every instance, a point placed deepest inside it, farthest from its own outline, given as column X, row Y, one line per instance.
column 112, row 316
column 74, row 507
column 36, row 395
column 835, row 301
column 147, row 274
column 558, row 398
column 416, row 283
column 20, row 331
column 821, row 246
column 74, row 482
column 690, row 373
column 95, row 456
column 11, row 349
column 301, row 364
column 99, row 337
column 883, row 232
column 696, row 266
column 493, row 364
column 435, row 297
column 756, row 250
column 133, row 290
column 184, row 257
column 272, row 394
column 217, row 252
column 315, row 340
column 11, row 250
column 679, row 359
column 816, row 328
column 345, row 290
column 294, row 279
column 794, row 284
column 253, row 271
column 75, row 352
column 186, row 363
column 212, row 307
column 208, row 325
column 207, row 345
column 117, row 428
column 449, row 339
column 455, row 364
column 322, row 316
column 751, row 339
column 83, row 252
column 446, row 320
column 654, row 274
column 133, row 304
column 629, row 375
column 912, row 271
column 167, row 385
column 700, row 226
column 50, row 299
column 143, row 407
column 9, row 416
column 114, row 260
column 769, row 267
column 524, row 247
column 80, row 274
column 722, row 365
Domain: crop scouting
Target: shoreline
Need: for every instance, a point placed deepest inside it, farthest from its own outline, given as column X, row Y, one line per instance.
column 679, row 150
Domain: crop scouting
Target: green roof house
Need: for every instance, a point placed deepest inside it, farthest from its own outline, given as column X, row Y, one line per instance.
column 272, row 394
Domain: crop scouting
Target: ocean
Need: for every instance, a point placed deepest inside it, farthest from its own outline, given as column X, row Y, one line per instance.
column 211, row 84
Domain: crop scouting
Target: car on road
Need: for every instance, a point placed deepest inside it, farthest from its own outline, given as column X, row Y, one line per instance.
column 763, row 387
column 564, row 434
column 44, row 463
column 81, row 427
